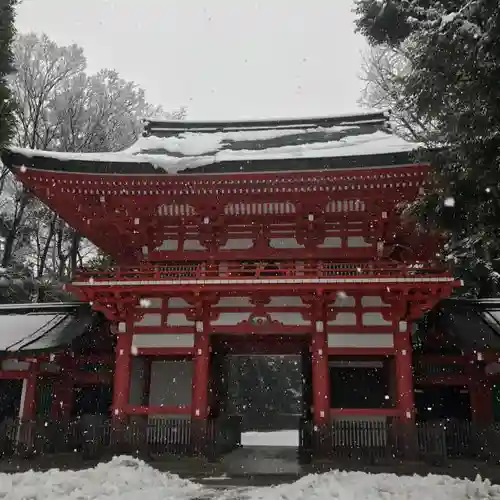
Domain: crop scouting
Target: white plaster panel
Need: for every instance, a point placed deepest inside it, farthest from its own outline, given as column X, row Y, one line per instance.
column 150, row 340
column 150, row 319
column 343, row 300
column 193, row 245
column 15, row 365
column 231, row 318
column 344, row 319
column 168, row 245
column 373, row 301
column 238, row 244
column 234, row 302
column 357, row 242
column 361, row 340
column 284, row 243
column 289, row 318
column 177, row 302
column 171, row 383
column 286, row 302
column 331, row 242
column 374, row 319
column 178, row 319
column 137, row 374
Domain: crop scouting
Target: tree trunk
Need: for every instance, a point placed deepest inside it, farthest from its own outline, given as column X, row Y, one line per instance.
column 13, row 231
column 75, row 245
column 43, row 256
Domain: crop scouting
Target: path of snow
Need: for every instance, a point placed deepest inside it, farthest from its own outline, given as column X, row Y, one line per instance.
column 274, row 438
column 129, row 479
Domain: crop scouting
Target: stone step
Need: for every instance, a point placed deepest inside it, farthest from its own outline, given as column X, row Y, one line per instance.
column 262, row 460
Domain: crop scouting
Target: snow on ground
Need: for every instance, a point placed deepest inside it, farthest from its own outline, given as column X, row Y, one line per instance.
column 122, row 478
column 130, row 479
column 361, row 486
column 274, row 438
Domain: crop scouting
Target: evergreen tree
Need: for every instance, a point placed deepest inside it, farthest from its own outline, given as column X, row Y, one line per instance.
column 7, row 32
column 453, row 51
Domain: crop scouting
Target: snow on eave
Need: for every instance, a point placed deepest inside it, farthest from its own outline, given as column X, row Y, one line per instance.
column 95, row 157
column 192, row 150
column 35, row 306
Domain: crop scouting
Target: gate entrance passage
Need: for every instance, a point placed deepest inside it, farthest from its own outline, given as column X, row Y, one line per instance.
column 266, row 391
column 265, row 385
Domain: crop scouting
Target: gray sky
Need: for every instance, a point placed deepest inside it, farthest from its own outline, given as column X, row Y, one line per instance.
column 220, row 58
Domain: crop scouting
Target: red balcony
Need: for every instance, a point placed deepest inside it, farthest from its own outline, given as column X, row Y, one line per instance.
column 233, row 275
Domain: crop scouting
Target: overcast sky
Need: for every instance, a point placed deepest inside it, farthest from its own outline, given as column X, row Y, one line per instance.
column 220, row 58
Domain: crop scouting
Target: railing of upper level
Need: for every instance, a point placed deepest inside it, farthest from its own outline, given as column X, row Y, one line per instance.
column 261, row 270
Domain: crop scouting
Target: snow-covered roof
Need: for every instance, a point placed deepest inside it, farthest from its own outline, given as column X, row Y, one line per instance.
column 217, row 147
column 35, row 327
column 474, row 325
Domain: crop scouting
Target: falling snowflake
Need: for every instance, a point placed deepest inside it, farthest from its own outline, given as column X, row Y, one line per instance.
column 449, row 202
column 145, row 303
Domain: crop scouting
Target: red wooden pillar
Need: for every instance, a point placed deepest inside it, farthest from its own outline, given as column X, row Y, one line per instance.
column 199, row 403
column 481, row 399
column 146, row 388
column 480, row 394
column 320, row 382
column 62, row 403
column 320, row 379
column 201, row 372
column 403, row 383
column 121, row 383
column 405, row 398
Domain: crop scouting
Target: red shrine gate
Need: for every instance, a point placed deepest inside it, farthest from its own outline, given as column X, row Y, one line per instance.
column 252, row 245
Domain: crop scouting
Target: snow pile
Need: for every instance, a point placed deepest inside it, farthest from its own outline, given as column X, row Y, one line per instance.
column 361, row 486
column 122, row 478
column 130, row 479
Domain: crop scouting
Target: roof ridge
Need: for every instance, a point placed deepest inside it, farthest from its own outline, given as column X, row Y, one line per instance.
column 157, row 125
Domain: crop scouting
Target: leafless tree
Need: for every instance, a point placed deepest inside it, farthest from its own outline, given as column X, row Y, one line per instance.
column 384, row 72
column 62, row 108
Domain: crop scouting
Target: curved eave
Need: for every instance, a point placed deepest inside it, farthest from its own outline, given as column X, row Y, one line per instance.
column 13, row 158
column 46, row 162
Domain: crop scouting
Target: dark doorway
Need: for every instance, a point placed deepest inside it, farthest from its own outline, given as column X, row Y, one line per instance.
column 266, row 390
column 360, row 382
column 442, row 402
column 95, row 399
column 10, row 398
column 260, row 379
